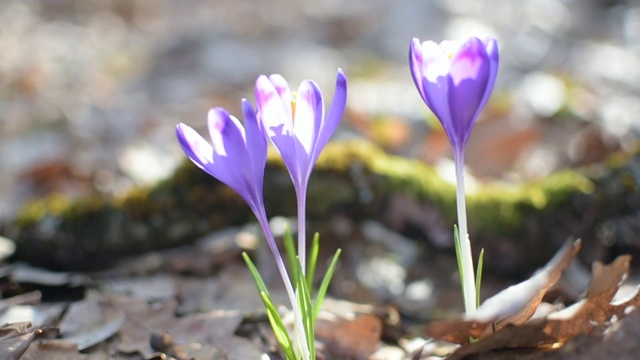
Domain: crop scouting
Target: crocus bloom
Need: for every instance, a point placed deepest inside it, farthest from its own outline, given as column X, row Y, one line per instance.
column 238, row 155
column 298, row 127
column 455, row 81
column 238, row 158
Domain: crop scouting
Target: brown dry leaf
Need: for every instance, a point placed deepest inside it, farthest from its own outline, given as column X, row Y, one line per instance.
column 31, row 298
column 150, row 287
column 512, row 306
column 165, row 345
column 61, row 350
column 620, row 342
column 142, row 319
column 214, row 330
column 596, row 309
column 15, row 339
column 89, row 322
column 197, row 294
column 582, row 318
column 203, row 335
column 354, row 337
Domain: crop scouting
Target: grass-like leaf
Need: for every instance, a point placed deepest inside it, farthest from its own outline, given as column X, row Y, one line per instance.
column 255, row 274
column 312, row 262
column 306, row 308
column 324, row 285
column 279, row 330
column 290, row 250
column 456, row 242
column 479, row 276
column 275, row 320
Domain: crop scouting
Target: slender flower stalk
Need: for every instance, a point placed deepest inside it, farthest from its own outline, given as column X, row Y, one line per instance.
column 238, row 159
column 300, row 341
column 298, row 127
column 455, row 80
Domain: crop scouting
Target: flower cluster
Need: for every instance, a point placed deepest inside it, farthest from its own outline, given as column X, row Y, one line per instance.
column 298, row 127
column 455, row 80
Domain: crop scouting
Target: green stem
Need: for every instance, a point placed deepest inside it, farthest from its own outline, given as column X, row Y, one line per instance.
column 302, row 238
column 468, row 281
column 271, row 242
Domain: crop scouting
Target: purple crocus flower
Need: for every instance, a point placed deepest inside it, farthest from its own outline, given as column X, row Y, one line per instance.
column 238, row 155
column 455, row 81
column 238, row 158
column 298, row 127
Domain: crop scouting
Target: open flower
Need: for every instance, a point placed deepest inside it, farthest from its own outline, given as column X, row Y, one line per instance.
column 238, row 155
column 298, row 127
column 455, row 80
column 296, row 122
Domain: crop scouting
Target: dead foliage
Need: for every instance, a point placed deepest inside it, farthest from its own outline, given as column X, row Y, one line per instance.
column 510, row 326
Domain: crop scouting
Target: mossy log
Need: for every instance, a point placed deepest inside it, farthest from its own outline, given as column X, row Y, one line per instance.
column 519, row 225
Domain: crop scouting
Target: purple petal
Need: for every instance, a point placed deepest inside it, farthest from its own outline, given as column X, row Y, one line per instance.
column 203, row 155
column 256, row 143
column 308, row 117
column 415, row 64
column 435, row 60
column 195, row 146
column 226, row 132
column 468, row 62
column 334, row 115
column 275, row 118
column 435, row 72
column 435, row 96
column 467, row 86
column 277, row 122
column 235, row 167
column 216, row 120
column 491, row 46
column 282, row 88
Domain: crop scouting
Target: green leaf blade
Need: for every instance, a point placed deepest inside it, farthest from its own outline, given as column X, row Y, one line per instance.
column 304, row 302
column 290, row 250
column 456, row 242
column 324, row 285
column 313, row 261
column 255, row 274
column 479, row 276
column 279, row 329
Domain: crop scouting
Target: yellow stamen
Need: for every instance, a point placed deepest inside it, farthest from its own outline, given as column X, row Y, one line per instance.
column 294, row 98
column 450, row 48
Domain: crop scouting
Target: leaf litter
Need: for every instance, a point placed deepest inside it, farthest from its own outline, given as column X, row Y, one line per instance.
column 177, row 312
column 512, row 306
column 156, row 307
column 505, row 323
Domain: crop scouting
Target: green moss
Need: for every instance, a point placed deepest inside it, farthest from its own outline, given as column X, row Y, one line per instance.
column 494, row 207
column 35, row 210
column 356, row 176
column 58, row 206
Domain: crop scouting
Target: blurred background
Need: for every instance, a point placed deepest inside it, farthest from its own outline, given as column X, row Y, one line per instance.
column 91, row 90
